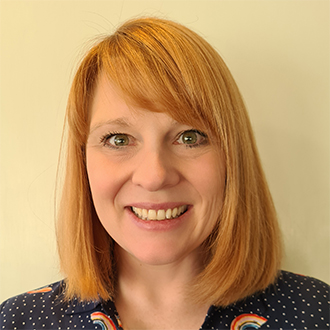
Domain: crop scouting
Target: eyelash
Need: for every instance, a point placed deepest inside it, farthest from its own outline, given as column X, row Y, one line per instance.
column 203, row 135
column 104, row 138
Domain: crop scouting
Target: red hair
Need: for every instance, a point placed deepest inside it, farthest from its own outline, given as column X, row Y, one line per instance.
column 163, row 66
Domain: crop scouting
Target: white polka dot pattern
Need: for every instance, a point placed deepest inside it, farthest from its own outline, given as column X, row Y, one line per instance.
column 294, row 302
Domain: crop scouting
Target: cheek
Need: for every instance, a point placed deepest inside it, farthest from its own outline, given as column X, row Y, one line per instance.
column 208, row 177
column 103, row 179
column 210, row 184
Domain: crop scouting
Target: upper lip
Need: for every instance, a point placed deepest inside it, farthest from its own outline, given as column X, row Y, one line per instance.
column 157, row 206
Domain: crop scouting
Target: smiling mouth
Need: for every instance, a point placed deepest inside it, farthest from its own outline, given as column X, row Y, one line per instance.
column 159, row 215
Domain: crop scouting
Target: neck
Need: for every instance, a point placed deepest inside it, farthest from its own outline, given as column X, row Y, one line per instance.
column 160, row 290
column 155, row 282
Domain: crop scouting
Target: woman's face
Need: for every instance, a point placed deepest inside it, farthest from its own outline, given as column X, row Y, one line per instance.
column 157, row 185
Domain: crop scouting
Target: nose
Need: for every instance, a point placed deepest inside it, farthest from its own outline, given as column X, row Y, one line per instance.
column 155, row 171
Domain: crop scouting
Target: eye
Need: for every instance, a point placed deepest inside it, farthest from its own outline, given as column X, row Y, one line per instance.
column 119, row 140
column 115, row 140
column 192, row 138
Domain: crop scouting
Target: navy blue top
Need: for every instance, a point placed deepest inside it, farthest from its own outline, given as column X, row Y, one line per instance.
column 294, row 302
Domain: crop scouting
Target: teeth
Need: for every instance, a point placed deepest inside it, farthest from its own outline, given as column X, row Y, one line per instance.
column 174, row 212
column 160, row 214
column 152, row 215
column 168, row 214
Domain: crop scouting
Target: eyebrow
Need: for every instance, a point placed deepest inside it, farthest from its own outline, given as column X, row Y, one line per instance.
column 122, row 122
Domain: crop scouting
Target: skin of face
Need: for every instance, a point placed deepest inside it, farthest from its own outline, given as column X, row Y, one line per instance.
column 138, row 158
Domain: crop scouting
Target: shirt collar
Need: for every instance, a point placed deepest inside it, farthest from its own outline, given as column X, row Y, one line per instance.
column 76, row 307
column 243, row 306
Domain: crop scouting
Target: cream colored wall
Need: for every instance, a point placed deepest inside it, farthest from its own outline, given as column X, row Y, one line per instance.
column 278, row 51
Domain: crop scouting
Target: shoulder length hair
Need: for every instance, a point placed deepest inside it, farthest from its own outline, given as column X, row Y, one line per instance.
column 160, row 65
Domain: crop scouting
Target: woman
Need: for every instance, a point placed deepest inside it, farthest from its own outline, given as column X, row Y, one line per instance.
column 166, row 220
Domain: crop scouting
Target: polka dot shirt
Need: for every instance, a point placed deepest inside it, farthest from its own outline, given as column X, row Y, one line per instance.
column 294, row 302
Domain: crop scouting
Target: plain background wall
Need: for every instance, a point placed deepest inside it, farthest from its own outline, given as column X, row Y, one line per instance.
column 278, row 52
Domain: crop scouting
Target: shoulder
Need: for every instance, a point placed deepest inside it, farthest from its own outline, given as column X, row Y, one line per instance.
column 46, row 308
column 300, row 289
column 299, row 300
column 292, row 302
column 23, row 309
column 34, row 298
column 298, row 281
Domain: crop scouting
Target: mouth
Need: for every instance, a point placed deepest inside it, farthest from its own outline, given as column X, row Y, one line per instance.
column 159, row 215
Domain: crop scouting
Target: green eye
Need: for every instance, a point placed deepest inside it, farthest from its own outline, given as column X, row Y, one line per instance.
column 119, row 140
column 192, row 138
column 189, row 137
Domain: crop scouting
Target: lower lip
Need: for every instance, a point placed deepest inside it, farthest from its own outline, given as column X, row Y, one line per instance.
column 158, row 225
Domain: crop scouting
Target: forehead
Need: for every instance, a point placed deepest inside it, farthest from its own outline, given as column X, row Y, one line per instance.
column 105, row 93
column 110, row 106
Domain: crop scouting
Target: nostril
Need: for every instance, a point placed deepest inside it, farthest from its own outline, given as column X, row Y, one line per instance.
column 153, row 173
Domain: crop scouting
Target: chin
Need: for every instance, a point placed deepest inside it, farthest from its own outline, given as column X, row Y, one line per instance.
column 166, row 255
column 153, row 255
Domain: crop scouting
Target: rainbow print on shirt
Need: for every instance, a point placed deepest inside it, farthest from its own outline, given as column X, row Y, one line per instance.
column 245, row 321
column 42, row 290
column 103, row 320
